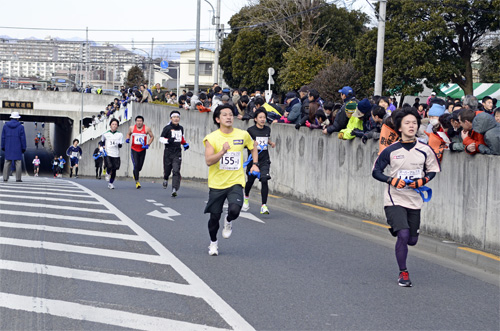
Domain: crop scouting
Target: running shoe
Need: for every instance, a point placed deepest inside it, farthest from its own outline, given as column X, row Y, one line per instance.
column 213, row 249
column 264, row 210
column 174, row 192
column 76, row 176
column 404, row 279
column 137, row 185
column 227, row 230
column 107, row 177
column 246, row 205
column 111, row 186
column 165, row 183
column 70, row 175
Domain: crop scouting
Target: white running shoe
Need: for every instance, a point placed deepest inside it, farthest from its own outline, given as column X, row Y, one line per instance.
column 213, row 249
column 246, row 205
column 107, row 177
column 264, row 210
column 111, row 186
column 228, row 229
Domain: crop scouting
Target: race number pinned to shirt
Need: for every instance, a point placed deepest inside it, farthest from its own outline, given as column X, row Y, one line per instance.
column 230, row 161
column 262, row 142
column 177, row 135
column 410, row 175
column 74, row 154
column 139, row 139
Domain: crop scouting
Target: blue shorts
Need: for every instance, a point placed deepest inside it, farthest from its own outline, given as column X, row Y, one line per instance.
column 73, row 161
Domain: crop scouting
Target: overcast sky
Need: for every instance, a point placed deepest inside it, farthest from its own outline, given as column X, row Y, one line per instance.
column 174, row 15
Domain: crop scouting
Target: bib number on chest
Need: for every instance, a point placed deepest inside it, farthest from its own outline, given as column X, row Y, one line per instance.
column 230, row 161
column 138, row 140
column 262, row 142
column 74, row 154
column 177, row 135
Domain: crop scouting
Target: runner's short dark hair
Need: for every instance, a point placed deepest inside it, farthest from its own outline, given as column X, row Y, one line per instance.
column 139, row 117
column 218, row 110
column 78, row 141
column 398, row 117
column 114, row 120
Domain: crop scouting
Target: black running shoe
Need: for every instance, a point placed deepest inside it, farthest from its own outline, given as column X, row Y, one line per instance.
column 165, row 183
column 404, row 279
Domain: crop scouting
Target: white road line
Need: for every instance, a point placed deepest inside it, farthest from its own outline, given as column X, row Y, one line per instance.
column 150, row 200
column 59, row 217
column 49, row 199
column 100, row 277
column 83, row 250
column 158, row 204
column 213, row 299
column 45, row 193
column 42, row 188
column 94, row 314
column 82, row 232
column 40, row 183
column 42, row 205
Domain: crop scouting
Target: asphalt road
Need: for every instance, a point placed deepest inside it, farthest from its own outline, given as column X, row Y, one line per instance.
column 76, row 255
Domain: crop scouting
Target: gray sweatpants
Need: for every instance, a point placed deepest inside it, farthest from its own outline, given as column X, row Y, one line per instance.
column 6, row 169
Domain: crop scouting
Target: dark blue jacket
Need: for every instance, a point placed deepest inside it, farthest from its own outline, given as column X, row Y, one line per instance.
column 13, row 140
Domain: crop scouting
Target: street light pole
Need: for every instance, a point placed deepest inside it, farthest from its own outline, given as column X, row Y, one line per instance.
column 151, row 62
column 217, row 41
column 197, row 56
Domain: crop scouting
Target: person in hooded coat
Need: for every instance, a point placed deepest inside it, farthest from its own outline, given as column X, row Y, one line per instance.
column 486, row 125
column 14, row 145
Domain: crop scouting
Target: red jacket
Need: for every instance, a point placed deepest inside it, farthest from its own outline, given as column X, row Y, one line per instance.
column 473, row 137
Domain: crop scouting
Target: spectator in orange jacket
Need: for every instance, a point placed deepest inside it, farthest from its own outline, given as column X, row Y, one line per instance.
column 471, row 139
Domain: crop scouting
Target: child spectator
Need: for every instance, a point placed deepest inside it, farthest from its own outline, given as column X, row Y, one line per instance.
column 355, row 122
column 379, row 114
column 497, row 115
column 486, row 125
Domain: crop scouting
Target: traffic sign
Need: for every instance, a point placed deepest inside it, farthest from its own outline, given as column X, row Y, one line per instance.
column 164, row 64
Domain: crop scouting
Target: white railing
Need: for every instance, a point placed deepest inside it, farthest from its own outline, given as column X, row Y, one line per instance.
column 95, row 131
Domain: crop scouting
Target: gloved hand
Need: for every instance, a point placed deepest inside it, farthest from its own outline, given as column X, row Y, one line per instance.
column 341, row 135
column 419, row 182
column 308, row 124
column 23, row 150
column 358, row 133
column 120, row 145
column 127, row 141
column 80, row 157
column 145, row 147
column 397, row 182
column 3, row 149
column 186, row 146
column 297, row 126
column 364, row 139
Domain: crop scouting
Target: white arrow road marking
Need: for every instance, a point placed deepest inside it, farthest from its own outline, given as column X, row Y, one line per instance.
column 247, row 215
column 169, row 213
column 150, row 200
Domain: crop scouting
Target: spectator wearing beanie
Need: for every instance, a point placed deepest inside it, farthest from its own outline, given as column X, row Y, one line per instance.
column 435, row 111
column 350, row 105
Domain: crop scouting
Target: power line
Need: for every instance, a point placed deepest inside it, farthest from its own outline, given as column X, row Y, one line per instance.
column 100, row 30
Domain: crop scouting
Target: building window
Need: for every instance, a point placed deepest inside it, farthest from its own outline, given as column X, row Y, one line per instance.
column 205, row 68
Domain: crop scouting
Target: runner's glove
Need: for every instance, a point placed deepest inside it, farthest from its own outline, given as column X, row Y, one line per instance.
column 145, row 146
column 419, row 182
column 186, row 146
column 127, row 141
column 397, row 182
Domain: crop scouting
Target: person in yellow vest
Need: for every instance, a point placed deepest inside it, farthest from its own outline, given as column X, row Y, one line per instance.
column 226, row 177
column 99, row 90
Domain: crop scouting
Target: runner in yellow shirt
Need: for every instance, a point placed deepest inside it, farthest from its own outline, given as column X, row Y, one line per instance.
column 226, row 177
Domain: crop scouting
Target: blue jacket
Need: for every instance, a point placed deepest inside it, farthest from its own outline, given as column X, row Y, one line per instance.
column 294, row 111
column 13, row 140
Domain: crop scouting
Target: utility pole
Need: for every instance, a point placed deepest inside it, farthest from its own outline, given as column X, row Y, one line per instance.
column 197, row 56
column 87, row 60
column 217, row 41
column 151, row 62
column 379, row 64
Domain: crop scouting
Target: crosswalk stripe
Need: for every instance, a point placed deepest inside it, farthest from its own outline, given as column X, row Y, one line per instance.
column 82, row 232
column 95, row 314
column 43, row 188
column 46, row 193
column 100, row 277
column 49, row 199
column 39, row 184
column 42, row 205
column 83, row 250
column 235, row 320
column 59, row 217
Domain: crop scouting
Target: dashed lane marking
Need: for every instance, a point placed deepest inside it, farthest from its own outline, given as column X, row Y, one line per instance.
column 491, row 256
column 317, row 207
column 377, row 224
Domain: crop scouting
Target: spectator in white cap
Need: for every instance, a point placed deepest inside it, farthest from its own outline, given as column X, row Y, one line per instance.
column 433, row 95
column 13, row 145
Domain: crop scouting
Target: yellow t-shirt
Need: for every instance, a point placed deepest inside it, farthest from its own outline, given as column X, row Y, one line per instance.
column 229, row 171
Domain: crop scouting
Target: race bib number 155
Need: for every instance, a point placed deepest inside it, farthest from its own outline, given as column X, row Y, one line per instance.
column 230, row 161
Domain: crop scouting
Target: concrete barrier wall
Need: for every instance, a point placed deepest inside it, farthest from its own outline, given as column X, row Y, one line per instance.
column 324, row 170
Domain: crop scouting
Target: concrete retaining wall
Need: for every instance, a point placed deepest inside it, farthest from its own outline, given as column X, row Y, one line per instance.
column 323, row 170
